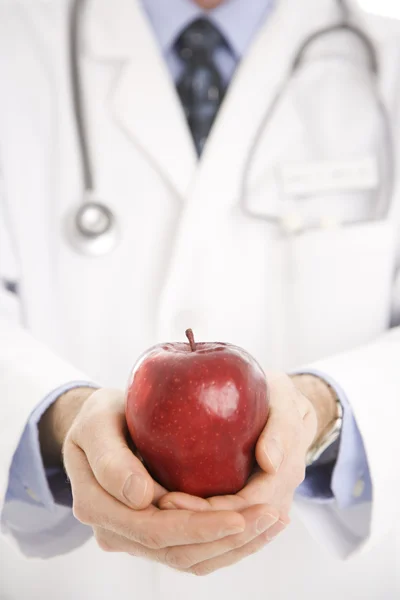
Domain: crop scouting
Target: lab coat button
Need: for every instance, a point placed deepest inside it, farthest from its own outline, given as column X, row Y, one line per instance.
column 358, row 488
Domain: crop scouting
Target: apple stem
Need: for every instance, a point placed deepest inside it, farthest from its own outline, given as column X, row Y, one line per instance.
column 190, row 337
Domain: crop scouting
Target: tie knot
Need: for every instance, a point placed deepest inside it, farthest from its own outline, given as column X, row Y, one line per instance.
column 201, row 38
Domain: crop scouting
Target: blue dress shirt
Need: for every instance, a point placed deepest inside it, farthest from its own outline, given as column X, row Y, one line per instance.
column 349, row 482
column 237, row 20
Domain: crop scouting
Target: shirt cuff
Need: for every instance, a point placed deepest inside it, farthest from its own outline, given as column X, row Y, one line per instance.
column 29, row 482
column 347, row 480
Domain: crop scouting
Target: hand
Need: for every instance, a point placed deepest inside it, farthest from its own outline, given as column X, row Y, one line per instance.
column 114, row 494
column 295, row 421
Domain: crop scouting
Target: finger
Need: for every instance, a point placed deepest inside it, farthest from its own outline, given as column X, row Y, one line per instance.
column 108, row 541
column 180, row 500
column 261, row 489
column 236, row 502
column 158, row 490
column 284, row 430
column 258, row 520
column 151, row 527
column 101, row 434
column 158, row 493
column 234, row 556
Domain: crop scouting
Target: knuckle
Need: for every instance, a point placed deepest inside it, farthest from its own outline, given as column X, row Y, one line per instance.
column 201, row 570
column 81, row 512
column 69, row 451
column 140, row 552
column 263, row 540
column 105, row 546
column 79, row 429
column 68, row 444
column 149, row 540
column 103, row 542
column 254, row 549
column 236, row 542
column 89, row 420
column 198, row 535
column 155, row 541
column 104, row 464
column 178, row 559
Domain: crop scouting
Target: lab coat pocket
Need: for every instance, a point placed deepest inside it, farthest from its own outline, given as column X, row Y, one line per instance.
column 335, row 161
column 339, row 290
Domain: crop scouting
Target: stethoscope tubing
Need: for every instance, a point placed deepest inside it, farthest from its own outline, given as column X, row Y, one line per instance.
column 86, row 241
column 77, row 95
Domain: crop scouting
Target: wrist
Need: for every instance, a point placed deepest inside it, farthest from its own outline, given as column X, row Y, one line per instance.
column 56, row 422
column 323, row 399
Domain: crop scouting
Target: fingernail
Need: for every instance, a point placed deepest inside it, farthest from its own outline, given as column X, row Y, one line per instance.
column 264, row 523
column 168, row 506
column 276, row 529
column 232, row 530
column 135, row 489
column 274, row 452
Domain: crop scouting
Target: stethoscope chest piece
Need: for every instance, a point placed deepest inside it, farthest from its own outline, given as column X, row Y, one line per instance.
column 91, row 229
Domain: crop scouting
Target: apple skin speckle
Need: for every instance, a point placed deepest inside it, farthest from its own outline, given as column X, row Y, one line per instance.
column 195, row 416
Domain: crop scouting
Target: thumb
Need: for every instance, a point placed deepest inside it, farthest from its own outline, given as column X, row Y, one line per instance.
column 284, row 431
column 272, row 444
column 270, row 452
column 101, row 435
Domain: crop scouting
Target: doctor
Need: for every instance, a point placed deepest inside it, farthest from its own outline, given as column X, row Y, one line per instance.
column 233, row 170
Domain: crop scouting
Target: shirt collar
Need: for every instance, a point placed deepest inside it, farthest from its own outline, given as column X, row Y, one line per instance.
column 237, row 20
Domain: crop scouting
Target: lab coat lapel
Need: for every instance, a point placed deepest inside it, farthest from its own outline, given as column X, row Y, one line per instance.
column 251, row 99
column 143, row 100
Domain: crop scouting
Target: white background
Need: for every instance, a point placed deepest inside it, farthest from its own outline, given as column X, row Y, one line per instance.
column 386, row 8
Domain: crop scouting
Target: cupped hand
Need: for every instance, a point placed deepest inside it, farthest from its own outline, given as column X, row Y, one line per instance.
column 114, row 494
column 281, row 458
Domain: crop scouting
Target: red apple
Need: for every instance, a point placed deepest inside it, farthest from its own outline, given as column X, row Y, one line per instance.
column 195, row 412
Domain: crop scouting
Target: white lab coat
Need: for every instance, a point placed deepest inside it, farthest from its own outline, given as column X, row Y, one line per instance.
column 192, row 255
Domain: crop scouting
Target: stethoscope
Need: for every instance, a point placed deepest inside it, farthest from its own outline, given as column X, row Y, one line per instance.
column 92, row 228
